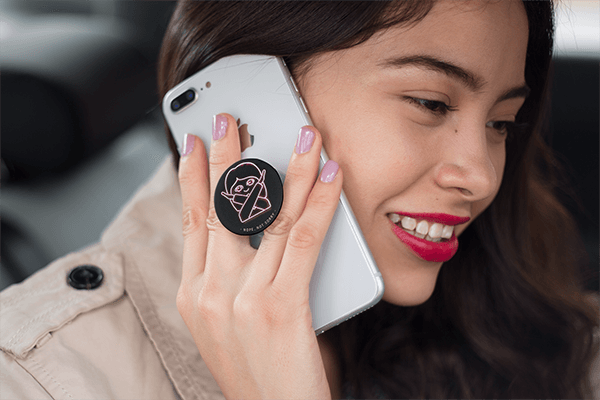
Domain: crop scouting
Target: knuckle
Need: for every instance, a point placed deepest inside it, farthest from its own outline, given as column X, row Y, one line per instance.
column 282, row 225
column 251, row 312
column 212, row 220
column 192, row 220
column 297, row 175
column 304, row 237
column 210, row 309
column 218, row 159
column 244, row 308
column 322, row 201
column 186, row 176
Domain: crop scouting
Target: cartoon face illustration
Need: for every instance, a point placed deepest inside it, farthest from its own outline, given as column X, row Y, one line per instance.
column 244, row 185
column 246, row 191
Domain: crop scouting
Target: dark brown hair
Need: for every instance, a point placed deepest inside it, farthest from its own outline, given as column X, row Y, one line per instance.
column 508, row 317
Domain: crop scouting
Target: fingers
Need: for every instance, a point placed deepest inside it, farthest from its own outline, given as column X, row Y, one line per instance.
column 198, row 178
column 224, row 151
column 306, row 236
column 193, row 181
column 300, row 177
column 291, row 245
column 304, row 217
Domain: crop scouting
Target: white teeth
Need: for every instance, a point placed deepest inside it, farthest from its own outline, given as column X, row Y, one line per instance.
column 395, row 218
column 435, row 240
column 436, row 230
column 423, row 228
column 409, row 223
column 434, row 233
column 447, row 232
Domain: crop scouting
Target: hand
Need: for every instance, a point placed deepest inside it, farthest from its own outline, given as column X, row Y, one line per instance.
column 248, row 309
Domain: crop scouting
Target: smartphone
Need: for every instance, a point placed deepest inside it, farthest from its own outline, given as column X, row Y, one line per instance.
column 260, row 92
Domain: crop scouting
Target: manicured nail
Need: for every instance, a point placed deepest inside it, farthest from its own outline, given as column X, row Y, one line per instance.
column 329, row 171
column 188, row 144
column 219, row 126
column 305, row 140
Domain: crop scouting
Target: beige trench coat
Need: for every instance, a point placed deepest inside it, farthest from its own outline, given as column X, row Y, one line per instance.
column 122, row 340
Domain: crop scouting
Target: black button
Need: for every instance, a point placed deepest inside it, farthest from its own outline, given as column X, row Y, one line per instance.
column 249, row 196
column 85, row 277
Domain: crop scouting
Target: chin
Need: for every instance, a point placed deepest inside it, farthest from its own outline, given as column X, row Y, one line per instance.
column 411, row 288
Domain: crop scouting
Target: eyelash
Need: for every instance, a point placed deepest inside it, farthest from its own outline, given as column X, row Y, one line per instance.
column 437, row 107
column 440, row 108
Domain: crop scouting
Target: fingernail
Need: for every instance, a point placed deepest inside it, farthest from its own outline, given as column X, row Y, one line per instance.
column 188, row 144
column 219, row 126
column 305, row 140
column 329, row 171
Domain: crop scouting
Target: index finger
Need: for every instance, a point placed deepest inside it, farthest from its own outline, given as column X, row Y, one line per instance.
column 194, row 185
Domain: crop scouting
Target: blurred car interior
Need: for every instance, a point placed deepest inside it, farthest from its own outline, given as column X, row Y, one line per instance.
column 81, row 128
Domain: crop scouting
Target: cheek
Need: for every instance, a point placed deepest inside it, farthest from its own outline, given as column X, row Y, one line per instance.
column 372, row 171
column 375, row 149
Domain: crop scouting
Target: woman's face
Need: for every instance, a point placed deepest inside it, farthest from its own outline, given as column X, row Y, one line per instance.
column 415, row 118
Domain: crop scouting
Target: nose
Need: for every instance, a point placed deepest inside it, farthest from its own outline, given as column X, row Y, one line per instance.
column 470, row 165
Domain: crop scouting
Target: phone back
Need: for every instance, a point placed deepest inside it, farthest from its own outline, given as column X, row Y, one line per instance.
column 260, row 92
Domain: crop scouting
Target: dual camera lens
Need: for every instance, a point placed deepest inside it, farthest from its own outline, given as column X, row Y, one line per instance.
column 183, row 100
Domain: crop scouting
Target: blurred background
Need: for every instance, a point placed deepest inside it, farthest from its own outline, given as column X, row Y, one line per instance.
column 81, row 126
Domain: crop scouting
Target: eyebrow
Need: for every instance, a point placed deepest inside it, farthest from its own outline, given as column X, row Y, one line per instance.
column 468, row 78
column 519, row 91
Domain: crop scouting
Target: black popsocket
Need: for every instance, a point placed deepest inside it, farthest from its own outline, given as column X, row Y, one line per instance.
column 249, row 196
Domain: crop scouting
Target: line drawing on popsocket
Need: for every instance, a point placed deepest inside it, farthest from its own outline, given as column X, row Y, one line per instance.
column 246, row 191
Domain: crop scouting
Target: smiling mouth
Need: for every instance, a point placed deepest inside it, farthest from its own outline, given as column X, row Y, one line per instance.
column 429, row 235
column 432, row 231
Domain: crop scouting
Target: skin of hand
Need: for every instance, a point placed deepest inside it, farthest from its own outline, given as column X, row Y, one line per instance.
column 248, row 309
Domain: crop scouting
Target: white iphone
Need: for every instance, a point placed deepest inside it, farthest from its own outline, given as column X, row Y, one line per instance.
column 260, row 92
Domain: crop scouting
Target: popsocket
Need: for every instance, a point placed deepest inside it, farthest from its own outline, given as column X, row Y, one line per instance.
column 248, row 196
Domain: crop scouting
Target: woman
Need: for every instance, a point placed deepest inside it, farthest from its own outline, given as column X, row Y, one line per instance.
column 425, row 107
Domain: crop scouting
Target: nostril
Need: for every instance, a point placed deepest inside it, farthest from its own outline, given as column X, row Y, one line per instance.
column 465, row 192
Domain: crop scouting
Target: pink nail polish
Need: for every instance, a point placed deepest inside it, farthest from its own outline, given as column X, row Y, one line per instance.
column 219, row 126
column 329, row 171
column 305, row 140
column 188, row 144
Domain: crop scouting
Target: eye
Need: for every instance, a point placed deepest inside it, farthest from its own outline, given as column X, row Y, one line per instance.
column 250, row 182
column 435, row 106
column 238, row 188
column 502, row 127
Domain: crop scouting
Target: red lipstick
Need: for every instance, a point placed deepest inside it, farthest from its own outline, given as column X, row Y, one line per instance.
column 425, row 249
column 428, row 251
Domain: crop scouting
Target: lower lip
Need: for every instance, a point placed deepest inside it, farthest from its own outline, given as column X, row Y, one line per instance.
column 428, row 251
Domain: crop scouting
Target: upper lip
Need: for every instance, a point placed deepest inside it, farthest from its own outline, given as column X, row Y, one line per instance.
column 445, row 219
